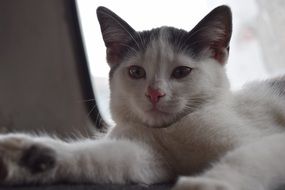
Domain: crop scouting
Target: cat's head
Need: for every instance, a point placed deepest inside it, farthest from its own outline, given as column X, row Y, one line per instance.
column 159, row 76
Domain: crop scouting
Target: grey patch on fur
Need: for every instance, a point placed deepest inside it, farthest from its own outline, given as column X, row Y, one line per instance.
column 278, row 85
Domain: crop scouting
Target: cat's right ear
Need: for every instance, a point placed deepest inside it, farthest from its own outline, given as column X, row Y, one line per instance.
column 213, row 33
column 117, row 34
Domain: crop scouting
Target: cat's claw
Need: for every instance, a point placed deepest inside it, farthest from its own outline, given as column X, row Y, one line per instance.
column 201, row 183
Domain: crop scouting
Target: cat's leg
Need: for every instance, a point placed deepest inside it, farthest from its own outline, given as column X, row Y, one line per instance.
column 257, row 166
column 28, row 159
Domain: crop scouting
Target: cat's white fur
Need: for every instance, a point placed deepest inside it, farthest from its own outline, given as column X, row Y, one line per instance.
column 235, row 141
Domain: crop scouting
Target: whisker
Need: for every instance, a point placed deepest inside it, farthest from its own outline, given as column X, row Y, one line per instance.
column 98, row 120
column 197, row 31
column 141, row 40
column 186, row 38
column 131, row 48
column 88, row 114
column 88, row 100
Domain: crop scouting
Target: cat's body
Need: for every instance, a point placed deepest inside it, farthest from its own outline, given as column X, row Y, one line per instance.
column 236, row 120
column 175, row 116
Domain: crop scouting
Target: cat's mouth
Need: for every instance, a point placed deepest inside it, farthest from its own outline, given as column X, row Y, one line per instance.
column 163, row 119
column 155, row 110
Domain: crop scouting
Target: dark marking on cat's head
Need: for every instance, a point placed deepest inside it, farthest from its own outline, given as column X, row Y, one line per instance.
column 212, row 34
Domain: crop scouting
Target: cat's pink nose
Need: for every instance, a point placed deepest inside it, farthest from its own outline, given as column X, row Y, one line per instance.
column 154, row 95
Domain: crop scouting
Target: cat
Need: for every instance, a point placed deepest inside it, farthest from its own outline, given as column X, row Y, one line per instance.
column 176, row 118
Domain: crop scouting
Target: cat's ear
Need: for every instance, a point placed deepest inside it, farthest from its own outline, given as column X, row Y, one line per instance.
column 116, row 34
column 213, row 33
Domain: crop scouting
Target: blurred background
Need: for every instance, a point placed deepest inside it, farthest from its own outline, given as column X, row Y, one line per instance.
column 257, row 45
column 44, row 78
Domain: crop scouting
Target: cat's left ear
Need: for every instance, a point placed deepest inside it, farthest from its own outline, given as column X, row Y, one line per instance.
column 117, row 34
column 213, row 33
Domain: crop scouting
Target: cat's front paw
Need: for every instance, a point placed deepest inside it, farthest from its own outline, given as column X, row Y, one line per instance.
column 38, row 159
column 201, row 183
column 23, row 160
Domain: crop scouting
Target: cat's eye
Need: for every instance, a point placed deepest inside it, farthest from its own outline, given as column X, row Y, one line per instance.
column 181, row 72
column 136, row 72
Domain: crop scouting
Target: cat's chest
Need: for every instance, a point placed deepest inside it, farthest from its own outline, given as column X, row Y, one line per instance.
column 186, row 152
column 184, row 148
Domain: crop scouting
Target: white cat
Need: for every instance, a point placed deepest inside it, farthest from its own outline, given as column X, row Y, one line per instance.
column 175, row 116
